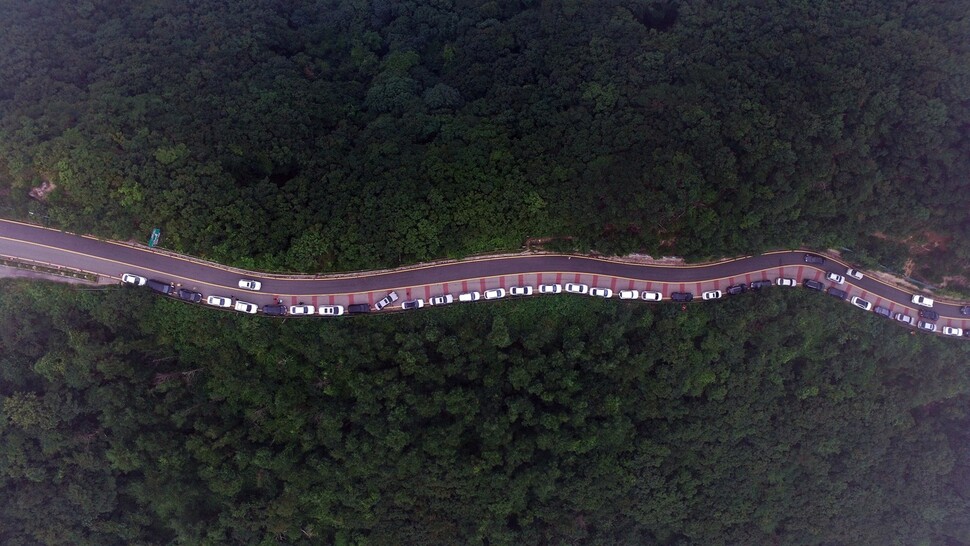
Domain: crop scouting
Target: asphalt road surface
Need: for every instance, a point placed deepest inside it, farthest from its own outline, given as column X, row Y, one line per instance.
column 107, row 258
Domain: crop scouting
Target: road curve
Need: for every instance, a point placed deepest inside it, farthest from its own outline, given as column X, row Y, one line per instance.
column 109, row 258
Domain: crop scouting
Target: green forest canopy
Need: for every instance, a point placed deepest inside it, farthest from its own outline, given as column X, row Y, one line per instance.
column 775, row 418
column 343, row 134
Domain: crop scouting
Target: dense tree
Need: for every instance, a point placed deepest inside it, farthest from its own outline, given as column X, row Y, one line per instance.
column 130, row 419
column 340, row 134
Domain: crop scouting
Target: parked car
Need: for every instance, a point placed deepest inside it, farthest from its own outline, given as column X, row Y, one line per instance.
column 861, row 303
column 883, row 312
column 520, row 291
column 131, row 278
column 681, row 296
column 245, row 307
column 736, row 289
column 928, row 326
column 812, row 284
column 928, row 314
column 711, row 295
column 601, row 292
column 356, row 308
column 249, row 284
column 160, row 287
column 413, row 304
column 758, row 285
column 784, row 281
column 629, row 294
column 835, row 292
column 303, row 309
column 651, row 296
column 495, row 293
column 219, row 301
column 550, row 288
column 331, row 310
column 835, row 277
column 276, row 310
column 952, row 331
column 965, row 310
column 855, row 274
column 470, row 296
column 390, row 298
column 189, row 295
column 442, row 300
column 923, row 300
column 904, row 318
column 813, row 259
column 574, row 288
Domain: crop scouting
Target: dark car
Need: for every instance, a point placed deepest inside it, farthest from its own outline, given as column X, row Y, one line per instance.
column 758, row 285
column 189, row 295
column 814, row 285
column 882, row 311
column 736, row 289
column 358, row 308
column 835, row 292
column 814, row 259
column 965, row 310
column 681, row 296
column 929, row 314
column 276, row 310
column 160, row 287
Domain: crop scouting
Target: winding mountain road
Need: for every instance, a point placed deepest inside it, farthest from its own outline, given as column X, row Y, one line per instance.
column 111, row 259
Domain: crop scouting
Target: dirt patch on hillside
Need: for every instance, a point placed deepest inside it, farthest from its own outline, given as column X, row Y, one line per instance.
column 41, row 192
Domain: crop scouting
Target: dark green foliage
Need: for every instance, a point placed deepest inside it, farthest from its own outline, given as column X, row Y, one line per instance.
column 342, row 134
column 772, row 418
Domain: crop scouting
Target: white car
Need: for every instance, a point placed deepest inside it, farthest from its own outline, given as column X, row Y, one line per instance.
column 905, row 319
column 855, row 274
column 711, row 295
column 652, row 296
column 629, row 294
column 390, row 298
column 131, row 278
column 550, row 288
column 951, row 331
column 520, row 291
column 835, row 277
column 219, row 301
column 442, row 300
column 470, row 296
column 576, row 288
column 601, row 292
column 861, row 303
column 923, row 300
column 783, row 281
column 331, row 310
column 245, row 307
column 928, row 326
column 495, row 293
column 413, row 304
column 302, row 309
column 250, row 284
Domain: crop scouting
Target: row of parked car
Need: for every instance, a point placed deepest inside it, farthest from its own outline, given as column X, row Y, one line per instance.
column 168, row 289
column 584, row 289
column 926, row 314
